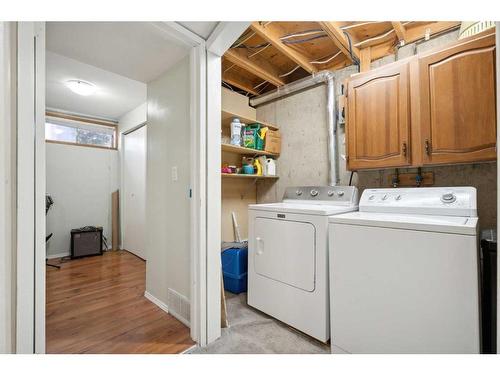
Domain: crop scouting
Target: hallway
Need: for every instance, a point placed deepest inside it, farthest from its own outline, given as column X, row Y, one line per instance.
column 97, row 305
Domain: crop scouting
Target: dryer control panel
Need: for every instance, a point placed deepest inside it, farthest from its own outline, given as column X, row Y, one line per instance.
column 446, row 201
column 322, row 194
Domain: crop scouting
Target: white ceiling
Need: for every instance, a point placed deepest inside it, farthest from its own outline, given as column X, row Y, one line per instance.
column 137, row 50
column 115, row 94
column 118, row 57
column 202, row 29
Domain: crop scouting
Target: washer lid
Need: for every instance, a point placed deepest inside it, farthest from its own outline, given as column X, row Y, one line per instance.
column 303, row 207
column 428, row 223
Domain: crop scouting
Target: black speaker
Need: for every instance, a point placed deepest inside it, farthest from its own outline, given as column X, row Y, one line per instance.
column 86, row 242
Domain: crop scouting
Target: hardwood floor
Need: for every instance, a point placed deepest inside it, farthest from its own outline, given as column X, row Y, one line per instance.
column 97, row 305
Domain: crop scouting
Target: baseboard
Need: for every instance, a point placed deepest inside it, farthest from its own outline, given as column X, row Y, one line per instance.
column 156, row 301
column 164, row 307
column 60, row 255
column 180, row 319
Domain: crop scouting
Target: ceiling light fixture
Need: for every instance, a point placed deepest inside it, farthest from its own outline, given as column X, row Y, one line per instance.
column 81, row 87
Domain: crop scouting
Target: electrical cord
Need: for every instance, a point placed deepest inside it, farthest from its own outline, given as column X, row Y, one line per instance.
column 350, row 179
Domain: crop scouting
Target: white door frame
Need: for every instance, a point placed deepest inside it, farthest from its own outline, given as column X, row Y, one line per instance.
column 7, row 187
column 205, row 178
column 205, row 75
column 122, row 196
column 221, row 39
column 30, row 280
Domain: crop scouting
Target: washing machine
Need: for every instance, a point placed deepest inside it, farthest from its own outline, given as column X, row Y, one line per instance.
column 288, row 255
column 404, row 273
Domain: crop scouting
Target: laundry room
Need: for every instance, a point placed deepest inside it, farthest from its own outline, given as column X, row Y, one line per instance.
column 396, row 119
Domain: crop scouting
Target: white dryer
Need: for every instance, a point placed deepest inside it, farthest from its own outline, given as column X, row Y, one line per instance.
column 288, row 255
column 404, row 273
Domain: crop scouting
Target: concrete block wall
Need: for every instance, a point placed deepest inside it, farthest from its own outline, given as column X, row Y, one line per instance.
column 303, row 160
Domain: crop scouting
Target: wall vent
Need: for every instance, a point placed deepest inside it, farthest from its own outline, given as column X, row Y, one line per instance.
column 179, row 306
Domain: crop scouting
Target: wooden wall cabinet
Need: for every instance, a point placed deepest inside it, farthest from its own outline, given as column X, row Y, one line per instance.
column 458, row 103
column 378, row 118
column 435, row 108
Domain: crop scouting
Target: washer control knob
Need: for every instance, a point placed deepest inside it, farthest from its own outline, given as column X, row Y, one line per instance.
column 314, row 192
column 330, row 193
column 340, row 193
column 298, row 192
column 384, row 197
column 371, row 197
column 397, row 197
column 448, row 197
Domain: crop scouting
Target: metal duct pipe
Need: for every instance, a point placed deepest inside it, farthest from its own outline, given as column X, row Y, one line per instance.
column 318, row 78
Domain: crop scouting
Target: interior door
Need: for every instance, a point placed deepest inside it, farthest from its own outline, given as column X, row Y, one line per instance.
column 134, row 192
column 378, row 118
column 288, row 259
column 458, row 115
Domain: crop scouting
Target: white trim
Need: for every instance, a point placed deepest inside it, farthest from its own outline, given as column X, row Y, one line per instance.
column 25, row 302
column 213, row 277
column 58, row 255
column 199, row 197
column 7, row 216
column 40, row 187
column 121, row 186
column 156, row 301
column 221, row 39
column 224, row 35
column 164, row 307
column 178, row 32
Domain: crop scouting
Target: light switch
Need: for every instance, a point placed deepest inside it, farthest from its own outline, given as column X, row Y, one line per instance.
column 174, row 174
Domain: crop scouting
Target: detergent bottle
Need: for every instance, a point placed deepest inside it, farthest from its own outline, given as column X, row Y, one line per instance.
column 258, row 167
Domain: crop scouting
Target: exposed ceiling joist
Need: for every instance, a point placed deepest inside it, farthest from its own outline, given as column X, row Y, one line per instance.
column 337, row 36
column 257, row 66
column 400, row 30
column 412, row 35
column 365, row 59
column 239, row 81
column 272, row 36
column 416, row 33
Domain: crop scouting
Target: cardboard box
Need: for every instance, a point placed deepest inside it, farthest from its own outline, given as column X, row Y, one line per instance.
column 273, row 141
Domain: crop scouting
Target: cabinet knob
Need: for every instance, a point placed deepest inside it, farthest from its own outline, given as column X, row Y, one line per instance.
column 427, row 147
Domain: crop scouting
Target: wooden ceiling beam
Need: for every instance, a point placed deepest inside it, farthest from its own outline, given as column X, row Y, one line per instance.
column 412, row 35
column 365, row 59
column 256, row 65
column 333, row 30
column 416, row 33
column 268, row 33
column 400, row 30
column 239, row 81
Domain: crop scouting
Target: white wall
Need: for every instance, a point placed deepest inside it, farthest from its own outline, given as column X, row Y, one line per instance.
column 133, row 118
column 167, row 201
column 80, row 180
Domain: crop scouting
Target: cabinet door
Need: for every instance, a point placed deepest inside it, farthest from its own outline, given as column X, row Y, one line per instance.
column 378, row 118
column 458, row 114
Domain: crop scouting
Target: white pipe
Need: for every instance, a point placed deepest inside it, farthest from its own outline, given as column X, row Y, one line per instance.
column 318, row 78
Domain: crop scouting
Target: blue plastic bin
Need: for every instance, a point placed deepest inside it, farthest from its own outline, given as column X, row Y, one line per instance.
column 234, row 269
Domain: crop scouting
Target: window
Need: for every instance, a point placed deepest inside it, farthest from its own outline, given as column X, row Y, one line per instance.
column 68, row 129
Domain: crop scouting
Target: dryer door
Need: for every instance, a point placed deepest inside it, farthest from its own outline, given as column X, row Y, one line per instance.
column 285, row 251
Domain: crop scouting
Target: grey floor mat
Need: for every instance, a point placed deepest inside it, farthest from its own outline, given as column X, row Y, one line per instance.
column 252, row 332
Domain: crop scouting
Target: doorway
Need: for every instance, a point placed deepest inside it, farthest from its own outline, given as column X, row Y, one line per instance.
column 134, row 191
